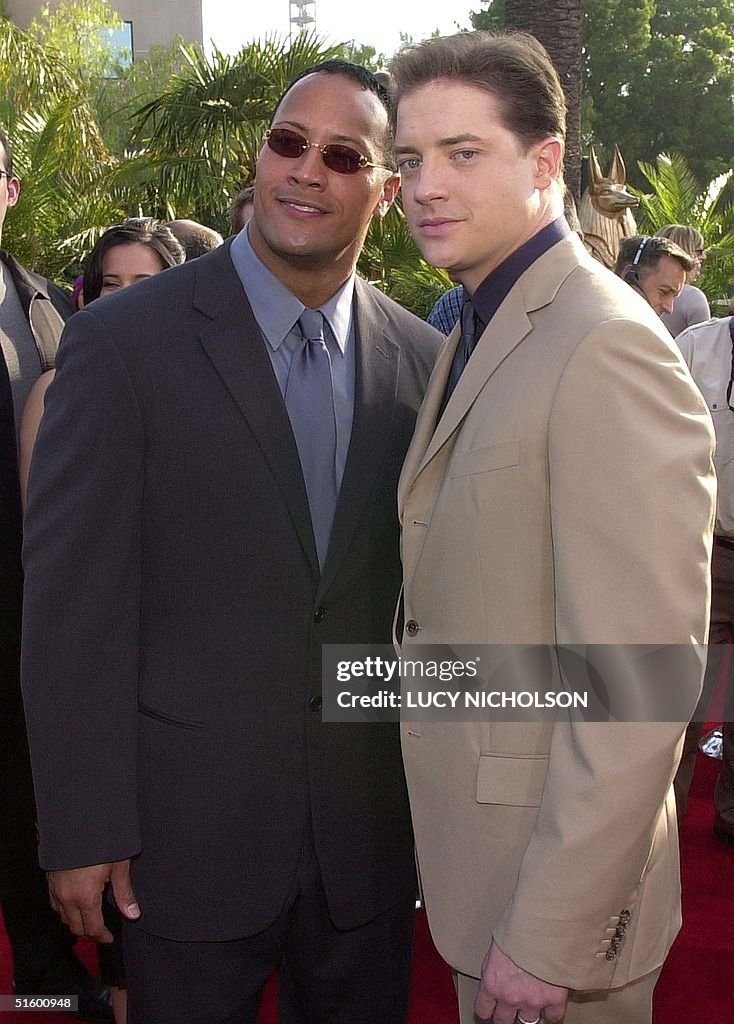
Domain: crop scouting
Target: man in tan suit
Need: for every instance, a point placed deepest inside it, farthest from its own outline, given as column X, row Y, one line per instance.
column 558, row 490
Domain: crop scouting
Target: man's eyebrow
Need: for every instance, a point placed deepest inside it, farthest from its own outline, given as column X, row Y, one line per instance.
column 451, row 140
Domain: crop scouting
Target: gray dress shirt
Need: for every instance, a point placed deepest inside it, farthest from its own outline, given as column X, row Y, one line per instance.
column 277, row 310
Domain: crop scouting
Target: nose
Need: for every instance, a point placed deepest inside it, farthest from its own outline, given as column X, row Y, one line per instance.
column 428, row 190
column 667, row 305
column 309, row 168
column 426, row 184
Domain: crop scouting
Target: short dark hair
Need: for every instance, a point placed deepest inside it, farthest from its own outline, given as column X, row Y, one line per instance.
column 362, row 76
column 196, row 239
column 5, row 143
column 643, row 253
column 512, row 66
column 240, row 201
column 142, row 230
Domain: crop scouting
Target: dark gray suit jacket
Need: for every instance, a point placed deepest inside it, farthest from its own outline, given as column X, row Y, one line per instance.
column 175, row 612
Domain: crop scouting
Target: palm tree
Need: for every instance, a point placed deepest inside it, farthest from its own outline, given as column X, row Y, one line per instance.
column 59, row 155
column 30, row 74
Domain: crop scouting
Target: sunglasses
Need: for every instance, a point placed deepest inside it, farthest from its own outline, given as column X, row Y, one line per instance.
column 338, row 158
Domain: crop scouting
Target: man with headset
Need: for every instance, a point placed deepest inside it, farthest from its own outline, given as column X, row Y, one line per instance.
column 655, row 267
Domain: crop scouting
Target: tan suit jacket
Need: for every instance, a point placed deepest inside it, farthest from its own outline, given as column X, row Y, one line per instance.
column 566, row 496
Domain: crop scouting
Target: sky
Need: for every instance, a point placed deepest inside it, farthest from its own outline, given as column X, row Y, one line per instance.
column 375, row 22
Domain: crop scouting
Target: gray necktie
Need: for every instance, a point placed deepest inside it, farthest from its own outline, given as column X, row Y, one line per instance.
column 464, row 349
column 309, row 399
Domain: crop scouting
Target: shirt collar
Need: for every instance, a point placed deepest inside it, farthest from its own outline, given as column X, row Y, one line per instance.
column 275, row 307
column 497, row 285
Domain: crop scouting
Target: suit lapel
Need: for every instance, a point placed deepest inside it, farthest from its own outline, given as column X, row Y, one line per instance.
column 234, row 344
column 425, row 424
column 377, row 366
column 510, row 325
column 505, row 332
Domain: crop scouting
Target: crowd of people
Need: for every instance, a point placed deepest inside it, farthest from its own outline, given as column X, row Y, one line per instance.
column 241, row 453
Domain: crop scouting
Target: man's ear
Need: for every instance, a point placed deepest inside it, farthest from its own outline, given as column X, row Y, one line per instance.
column 13, row 186
column 548, row 162
column 389, row 190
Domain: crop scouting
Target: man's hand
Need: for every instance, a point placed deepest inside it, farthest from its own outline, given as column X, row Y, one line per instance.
column 76, row 896
column 507, row 990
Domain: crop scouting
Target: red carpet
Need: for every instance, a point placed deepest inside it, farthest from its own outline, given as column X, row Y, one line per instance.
column 696, row 985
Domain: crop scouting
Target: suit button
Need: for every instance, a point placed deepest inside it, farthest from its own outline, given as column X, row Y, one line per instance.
column 412, row 628
column 625, row 917
column 318, row 615
column 611, row 955
column 315, row 704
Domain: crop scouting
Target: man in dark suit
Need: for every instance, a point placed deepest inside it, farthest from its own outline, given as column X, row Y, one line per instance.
column 32, row 315
column 199, row 524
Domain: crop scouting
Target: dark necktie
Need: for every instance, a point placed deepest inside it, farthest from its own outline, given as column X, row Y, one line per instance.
column 309, row 399
column 464, row 349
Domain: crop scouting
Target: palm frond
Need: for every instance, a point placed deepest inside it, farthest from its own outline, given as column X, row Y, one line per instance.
column 31, row 75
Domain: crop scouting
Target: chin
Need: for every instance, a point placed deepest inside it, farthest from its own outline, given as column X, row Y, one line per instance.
column 438, row 257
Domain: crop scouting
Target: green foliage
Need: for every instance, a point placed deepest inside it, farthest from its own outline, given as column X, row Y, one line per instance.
column 678, row 198
column 667, row 82
column 658, row 77
column 492, row 19
column 361, row 53
column 31, row 74
column 391, row 260
column 116, row 99
column 78, row 29
column 59, row 155
column 63, row 206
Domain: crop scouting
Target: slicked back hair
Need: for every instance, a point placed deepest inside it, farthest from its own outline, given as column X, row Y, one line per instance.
column 643, row 253
column 512, row 66
column 361, row 76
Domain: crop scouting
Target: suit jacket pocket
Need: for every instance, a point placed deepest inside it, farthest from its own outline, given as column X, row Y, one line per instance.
column 159, row 716
column 486, row 459
column 514, row 781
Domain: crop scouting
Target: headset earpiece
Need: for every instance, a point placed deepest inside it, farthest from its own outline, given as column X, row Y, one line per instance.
column 631, row 274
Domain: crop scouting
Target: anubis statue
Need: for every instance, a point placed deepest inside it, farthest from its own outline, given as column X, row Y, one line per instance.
column 605, row 211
